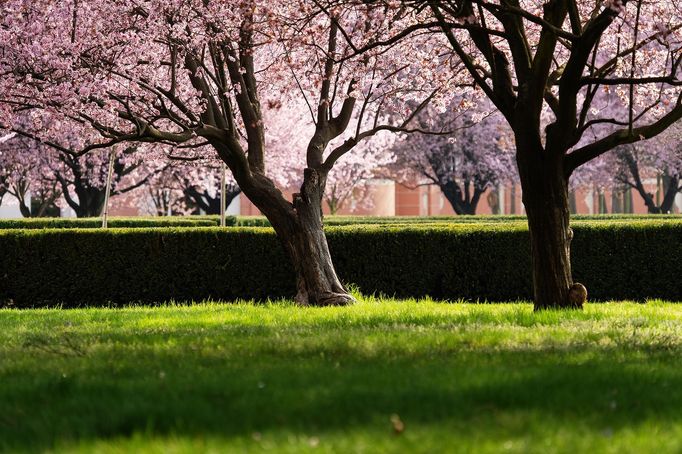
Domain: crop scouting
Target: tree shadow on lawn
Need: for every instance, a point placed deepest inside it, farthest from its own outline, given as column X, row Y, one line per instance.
column 78, row 399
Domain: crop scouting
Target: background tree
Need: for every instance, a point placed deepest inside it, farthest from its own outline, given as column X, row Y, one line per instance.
column 80, row 177
column 463, row 163
column 83, row 178
column 205, row 195
column 190, row 187
column 349, row 182
column 195, row 73
column 561, row 60
column 27, row 176
column 659, row 159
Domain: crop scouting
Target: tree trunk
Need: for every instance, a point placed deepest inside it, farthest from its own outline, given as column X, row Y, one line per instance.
column 670, row 186
column 90, row 203
column 603, row 209
column 545, row 196
column 461, row 203
column 24, row 209
column 207, row 203
column 300, row 230
column 90, row 199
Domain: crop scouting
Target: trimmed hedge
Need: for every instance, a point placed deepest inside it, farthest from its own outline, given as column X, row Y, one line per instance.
column 74, row 267
column 91, row 223
column 337, row 220
column 261, row 221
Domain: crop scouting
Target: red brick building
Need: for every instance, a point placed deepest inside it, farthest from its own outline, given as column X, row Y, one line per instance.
column 392, row 199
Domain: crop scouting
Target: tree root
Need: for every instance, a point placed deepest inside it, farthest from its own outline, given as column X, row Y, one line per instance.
column 325, row 299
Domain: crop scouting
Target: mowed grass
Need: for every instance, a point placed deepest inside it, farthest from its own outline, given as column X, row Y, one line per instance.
column 379, row 376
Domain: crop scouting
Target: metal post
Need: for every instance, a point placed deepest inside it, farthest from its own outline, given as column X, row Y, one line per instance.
column 105, row 212
column 222, row 195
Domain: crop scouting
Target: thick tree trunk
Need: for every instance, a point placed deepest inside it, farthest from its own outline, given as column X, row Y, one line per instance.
column 316, row 279
column 203, row 200
column 300, row 230
column 670, row 187
column 24, row 209
column 90, row 200
column 666, row 205
column 461, row 201
column 90, row 203
column 545, row 196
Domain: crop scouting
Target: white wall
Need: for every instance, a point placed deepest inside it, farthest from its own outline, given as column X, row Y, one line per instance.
column 10, row 207
column 234, row 208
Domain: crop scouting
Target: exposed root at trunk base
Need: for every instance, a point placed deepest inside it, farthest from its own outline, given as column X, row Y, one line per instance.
column 324, row 299
column 576, row 299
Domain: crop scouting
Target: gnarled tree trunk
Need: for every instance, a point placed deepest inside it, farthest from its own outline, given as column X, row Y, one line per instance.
column 462, row 202
column 203, row 200
column 300, row 230
column 670, row 191
column 316, row 279
column 545, row 196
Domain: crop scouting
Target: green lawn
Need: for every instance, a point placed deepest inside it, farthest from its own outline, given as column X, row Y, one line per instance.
column 234, row 378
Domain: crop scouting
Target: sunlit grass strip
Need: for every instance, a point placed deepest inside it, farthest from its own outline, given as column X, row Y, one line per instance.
column 244, row 377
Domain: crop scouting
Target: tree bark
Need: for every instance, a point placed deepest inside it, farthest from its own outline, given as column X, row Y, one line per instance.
column 24, row 209
column 670, row 189
column 300, row 230
column 203, row 200
column 461, row 201
column 90, row 202
column 545, row 196
column 666, row 206
column 90, row 199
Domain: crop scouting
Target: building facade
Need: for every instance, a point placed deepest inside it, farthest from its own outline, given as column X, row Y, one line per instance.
column 388, row 198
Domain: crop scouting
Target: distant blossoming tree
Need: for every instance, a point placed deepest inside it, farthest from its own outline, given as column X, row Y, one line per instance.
column 549, row 67
column 191, row 73
column 465, row 161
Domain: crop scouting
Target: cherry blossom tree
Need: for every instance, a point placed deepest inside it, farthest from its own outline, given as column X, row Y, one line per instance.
column 80, row 177
column 192, row 73
column 27, row 175
column 83, row 178
column 162, row 196
column 463, row 163
column 190, row 188
column 349, row 181
column 562, row 60
column 659, row 158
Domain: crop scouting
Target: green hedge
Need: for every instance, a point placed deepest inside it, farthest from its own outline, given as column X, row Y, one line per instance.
column 73, row 267
column 117, row 222
column 261, row 221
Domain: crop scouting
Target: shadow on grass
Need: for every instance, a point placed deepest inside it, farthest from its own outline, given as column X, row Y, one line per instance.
column 225, row 395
